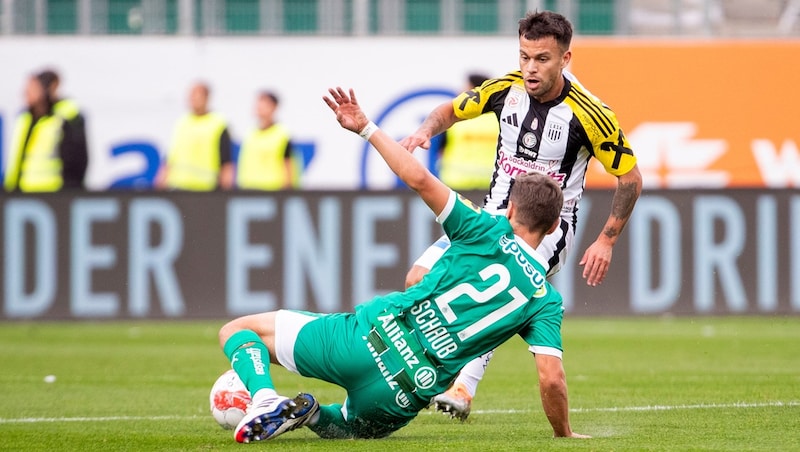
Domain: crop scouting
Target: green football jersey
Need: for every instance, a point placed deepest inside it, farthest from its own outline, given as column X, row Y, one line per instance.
column 488, row 286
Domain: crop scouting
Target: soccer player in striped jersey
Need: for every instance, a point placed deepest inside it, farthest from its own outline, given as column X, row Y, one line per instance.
column 551, row 124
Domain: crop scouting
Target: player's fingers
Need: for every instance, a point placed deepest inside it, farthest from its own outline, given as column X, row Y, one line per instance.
column 353, row 97
column 329, row 102
column 591, row 278
column 334, row 94
column 342, row 95
column 590, row 270
column 336, row 99
column 583, row 261
column 599, row 272
column 408, row 143
column 587, row 267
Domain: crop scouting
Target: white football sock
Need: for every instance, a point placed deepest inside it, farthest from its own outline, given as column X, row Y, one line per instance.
column 473, row 372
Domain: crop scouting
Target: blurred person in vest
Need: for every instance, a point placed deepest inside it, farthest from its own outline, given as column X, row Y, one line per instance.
column 48, row 146
column 71, row 112
column 468, row 149
column 199, row 158
column 266, row 160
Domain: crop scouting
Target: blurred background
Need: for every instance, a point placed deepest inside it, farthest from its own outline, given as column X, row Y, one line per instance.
column 705, row 91
column 718, row 18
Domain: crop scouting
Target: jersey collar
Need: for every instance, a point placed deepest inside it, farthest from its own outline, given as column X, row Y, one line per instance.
column 532, row 252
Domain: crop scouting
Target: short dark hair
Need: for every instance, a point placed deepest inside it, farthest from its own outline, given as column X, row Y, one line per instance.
column 476, row 79
column 266, row 94
column 48, row 78
column 45, row 84
column 537, row 25
column 538, row 200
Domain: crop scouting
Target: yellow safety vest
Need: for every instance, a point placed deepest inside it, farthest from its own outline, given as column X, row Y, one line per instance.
column 193, row 161
column 67, row 109
column 35, row 166
column 468, row 158
column 261, row 163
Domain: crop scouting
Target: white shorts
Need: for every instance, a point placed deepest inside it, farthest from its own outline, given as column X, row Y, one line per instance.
column 287, row 325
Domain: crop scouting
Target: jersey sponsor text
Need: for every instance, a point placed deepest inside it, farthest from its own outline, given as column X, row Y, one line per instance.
column 395, row 335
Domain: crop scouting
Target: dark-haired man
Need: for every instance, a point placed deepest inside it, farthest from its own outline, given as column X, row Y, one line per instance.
column 551, row 124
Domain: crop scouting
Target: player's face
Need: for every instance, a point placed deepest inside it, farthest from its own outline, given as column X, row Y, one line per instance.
column 542, row 62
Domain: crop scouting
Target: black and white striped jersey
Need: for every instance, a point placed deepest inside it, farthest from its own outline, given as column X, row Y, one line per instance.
column 557, row 138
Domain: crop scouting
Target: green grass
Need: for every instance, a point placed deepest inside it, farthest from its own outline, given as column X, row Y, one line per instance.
column 635, row 384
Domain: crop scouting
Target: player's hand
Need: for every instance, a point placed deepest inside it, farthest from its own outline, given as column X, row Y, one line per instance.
column 347, row 110
column 595, row 262
column 414, row 141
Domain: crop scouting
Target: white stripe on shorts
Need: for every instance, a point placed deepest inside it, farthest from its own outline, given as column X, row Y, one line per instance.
column 287, row 326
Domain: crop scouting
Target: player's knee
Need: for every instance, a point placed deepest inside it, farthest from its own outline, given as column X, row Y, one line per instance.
column 227, row 330
column 231, row 328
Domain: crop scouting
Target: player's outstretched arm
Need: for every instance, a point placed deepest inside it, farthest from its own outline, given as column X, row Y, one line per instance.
column 408, row 169
column 439, row 120
column 553, row 390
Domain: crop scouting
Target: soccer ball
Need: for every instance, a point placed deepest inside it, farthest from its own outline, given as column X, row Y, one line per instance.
column 229, row 400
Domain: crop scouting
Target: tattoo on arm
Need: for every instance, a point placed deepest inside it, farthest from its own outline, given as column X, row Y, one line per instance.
column 438, row 121
column 611, row 232
column 435, row 123
column 624, row 200
column 621, row 207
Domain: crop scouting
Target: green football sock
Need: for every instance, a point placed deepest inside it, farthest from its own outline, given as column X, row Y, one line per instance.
column 331, row 424
column 250, row 359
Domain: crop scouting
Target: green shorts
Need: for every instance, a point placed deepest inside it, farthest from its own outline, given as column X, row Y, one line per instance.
column 336, row 348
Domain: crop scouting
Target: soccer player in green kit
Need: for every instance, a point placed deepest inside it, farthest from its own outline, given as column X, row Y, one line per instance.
column 397, row 351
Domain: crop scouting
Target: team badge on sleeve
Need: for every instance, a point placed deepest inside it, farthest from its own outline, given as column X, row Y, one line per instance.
column 469, row 203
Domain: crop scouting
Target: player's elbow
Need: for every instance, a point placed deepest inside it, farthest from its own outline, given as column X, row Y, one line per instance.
column 553, row 385
column 415, row 275
column 552, row 377
column 419, row 181
column 632, row 178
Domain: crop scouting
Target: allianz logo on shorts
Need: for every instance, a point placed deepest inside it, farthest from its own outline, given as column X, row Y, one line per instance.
column 398, row 368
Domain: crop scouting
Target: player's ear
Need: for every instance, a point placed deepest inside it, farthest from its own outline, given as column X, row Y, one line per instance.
column 510, row 210
column 566, row 58
column 555, row 226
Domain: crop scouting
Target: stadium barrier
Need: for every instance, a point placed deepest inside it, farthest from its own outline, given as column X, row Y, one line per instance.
column 120, row 255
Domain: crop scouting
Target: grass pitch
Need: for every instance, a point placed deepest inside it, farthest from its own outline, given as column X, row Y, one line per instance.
column 634, row 384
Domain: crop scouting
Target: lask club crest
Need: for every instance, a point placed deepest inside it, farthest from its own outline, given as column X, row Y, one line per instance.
column 554, row 132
